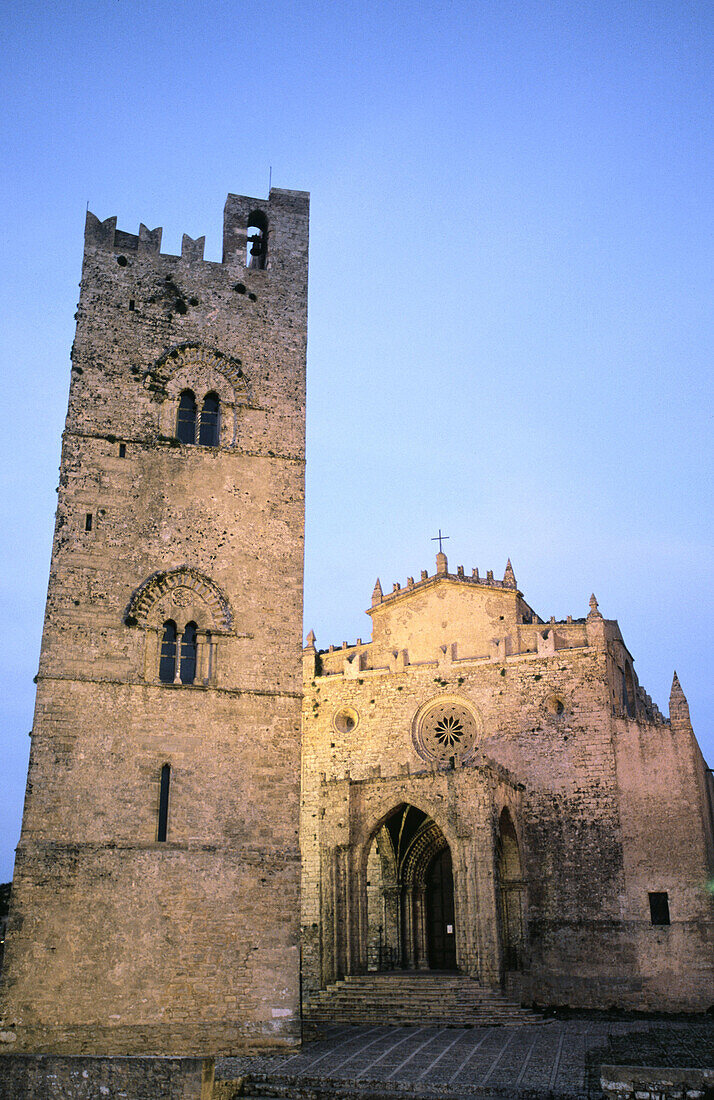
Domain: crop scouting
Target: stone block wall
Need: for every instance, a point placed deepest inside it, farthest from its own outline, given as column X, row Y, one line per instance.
column 52, row 1077
column 121, row 941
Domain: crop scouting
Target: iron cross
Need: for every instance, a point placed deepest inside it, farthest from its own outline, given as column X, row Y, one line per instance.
column 438, row 538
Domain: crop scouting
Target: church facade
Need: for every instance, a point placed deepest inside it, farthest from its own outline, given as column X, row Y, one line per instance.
column 489, row 792
column 474, row 789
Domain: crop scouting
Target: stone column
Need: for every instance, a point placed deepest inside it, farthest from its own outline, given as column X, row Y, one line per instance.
column 422, row 945
column 202, row 657
column 358, row 889
column 408, row 951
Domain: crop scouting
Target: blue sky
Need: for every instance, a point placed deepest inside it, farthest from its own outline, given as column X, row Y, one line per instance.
column 510, row 297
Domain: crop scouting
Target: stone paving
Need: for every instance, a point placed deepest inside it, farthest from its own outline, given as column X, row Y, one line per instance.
column 559, row 1058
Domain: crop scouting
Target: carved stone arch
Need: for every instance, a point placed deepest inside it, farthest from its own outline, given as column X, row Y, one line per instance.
column 508, row 844
column 397, row 915
column 175, row 359
column 187, row 595
column 202, row 370
column 427, row 844
column 367, row 832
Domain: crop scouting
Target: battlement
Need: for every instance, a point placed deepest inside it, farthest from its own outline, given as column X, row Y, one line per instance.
column 442, row 573
column 255, row 233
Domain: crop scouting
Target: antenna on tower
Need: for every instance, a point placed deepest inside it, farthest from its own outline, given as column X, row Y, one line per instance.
column 270, row 178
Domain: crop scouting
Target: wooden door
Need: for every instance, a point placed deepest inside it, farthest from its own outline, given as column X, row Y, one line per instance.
column 441, row 931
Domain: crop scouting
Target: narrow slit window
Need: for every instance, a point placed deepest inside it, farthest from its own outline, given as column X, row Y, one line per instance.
column 167, row 663
column 163, row 823
column 122, row 450
column 131, row 303
column 208, row 431
column 188, row 654
column 659, row 908
column 186, row 426
column 88, row 521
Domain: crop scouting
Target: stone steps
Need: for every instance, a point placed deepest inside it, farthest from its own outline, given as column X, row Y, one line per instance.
column 404, row 998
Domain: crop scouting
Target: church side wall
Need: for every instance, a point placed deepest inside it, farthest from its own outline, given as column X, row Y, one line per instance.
column 666, row 845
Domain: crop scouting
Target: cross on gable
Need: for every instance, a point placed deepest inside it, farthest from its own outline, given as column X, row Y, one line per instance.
column 439, row 538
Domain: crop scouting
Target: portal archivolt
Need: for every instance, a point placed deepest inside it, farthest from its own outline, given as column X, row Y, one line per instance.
column 410, row 895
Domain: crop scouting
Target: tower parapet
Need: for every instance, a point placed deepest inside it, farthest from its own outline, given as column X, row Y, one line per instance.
column 256, row 233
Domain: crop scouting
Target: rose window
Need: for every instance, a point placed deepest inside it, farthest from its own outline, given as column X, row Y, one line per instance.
column 446, row 727
column 449, row 730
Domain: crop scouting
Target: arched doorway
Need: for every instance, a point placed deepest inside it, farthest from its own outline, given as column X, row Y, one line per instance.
column 512, row 894
column 410, row 895
column 440, row 938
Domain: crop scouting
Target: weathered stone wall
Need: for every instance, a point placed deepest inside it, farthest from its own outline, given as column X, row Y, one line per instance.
column 51, row 1077
column 656, row 1083
column 119, row 942
column 553, row 748
column 666, row 825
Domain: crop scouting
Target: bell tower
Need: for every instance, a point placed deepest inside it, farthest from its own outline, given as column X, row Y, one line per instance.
column 155, row 899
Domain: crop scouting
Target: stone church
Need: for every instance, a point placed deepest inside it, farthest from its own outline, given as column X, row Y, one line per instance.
column 475, row 790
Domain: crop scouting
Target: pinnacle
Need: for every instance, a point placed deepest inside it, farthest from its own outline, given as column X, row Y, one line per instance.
column 377, row 593
column 595, row 613
column 311, row 640
column 678, row 705
column 509, row 577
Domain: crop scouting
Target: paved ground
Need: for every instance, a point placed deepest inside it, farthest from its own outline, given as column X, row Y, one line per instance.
column 557, row 1058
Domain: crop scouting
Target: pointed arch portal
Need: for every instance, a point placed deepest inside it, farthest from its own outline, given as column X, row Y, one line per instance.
column 411, row 921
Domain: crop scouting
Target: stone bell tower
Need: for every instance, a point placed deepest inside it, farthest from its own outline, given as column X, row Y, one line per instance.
column 155, row 900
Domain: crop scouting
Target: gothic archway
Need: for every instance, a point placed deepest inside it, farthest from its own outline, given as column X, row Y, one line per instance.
column 410, row 894
column 512, row 895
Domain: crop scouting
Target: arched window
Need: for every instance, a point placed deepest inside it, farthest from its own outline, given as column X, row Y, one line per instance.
column 628, row 693
column 257, row 252
column 163, row 823
column 167, row 664
column 186, row 426
column 208, row 431
column 188, row 654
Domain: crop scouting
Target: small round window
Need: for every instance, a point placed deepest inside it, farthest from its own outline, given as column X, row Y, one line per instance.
column 346, row 720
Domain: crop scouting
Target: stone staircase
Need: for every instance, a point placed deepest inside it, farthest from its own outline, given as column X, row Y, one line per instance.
column 416, row 998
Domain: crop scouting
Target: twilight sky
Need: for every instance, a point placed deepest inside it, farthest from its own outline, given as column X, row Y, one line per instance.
column 510, row 287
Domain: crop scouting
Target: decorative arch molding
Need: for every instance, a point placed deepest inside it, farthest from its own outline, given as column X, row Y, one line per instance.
column 192, row 355
column 204, row 372
column 187, row 587
column 386, row 807
column 427, row 844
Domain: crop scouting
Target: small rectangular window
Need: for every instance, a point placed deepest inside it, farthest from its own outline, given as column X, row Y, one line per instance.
column 659, row 908
column 122, row 450
column 162, row 828
column 88, row 522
